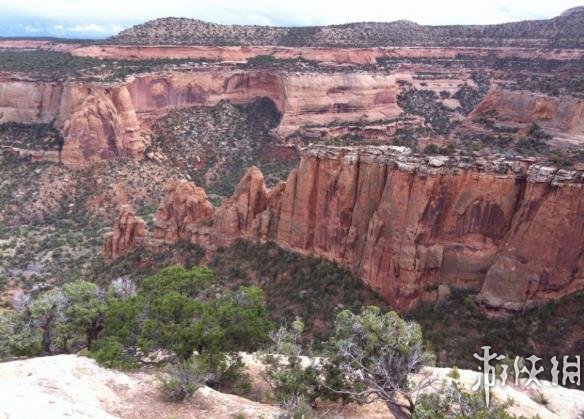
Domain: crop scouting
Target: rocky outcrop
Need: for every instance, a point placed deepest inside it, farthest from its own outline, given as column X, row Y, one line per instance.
column 105, row 121
column 542, row 254
column 129, row 233
column 184, row 214
column 251, row 212
column 76, row 386
column 99, row 123
column 27, row 101
column 321, row 55
column 561, row 117
column 303, row 99
column 411, row 227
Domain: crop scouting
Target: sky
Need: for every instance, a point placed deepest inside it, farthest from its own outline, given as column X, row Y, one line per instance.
column 103, row 18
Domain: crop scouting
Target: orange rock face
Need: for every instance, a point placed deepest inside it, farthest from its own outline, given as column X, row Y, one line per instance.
column 102, row 121
column 407, row 224
column 541, row 257
column 99, row 124
column 337, row 55
column 129, row 233
column 183, row 214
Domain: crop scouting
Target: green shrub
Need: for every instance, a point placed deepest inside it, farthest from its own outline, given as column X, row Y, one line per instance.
column 110, row 353
column 454, row 373
column 181, row 311
column 182, row 379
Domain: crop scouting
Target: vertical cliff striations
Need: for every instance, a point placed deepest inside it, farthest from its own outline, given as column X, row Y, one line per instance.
column 408, row 225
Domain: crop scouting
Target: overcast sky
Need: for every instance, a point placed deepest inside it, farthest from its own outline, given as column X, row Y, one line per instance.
column 102, row 18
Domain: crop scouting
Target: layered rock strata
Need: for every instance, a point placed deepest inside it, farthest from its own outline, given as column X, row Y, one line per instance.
column 100, row 120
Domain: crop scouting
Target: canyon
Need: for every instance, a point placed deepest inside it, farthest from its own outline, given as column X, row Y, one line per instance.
column 423, row 168
column 188, row 176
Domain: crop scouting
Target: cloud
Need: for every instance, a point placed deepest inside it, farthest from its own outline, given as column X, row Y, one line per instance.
column 92, row 27
column 31, row 29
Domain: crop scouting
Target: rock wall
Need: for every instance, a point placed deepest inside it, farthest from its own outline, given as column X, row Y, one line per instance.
column 99, row 123
column 252, row 212
column 408, row 225
column 103, row 121
column 335, row 55
column 28, row 101
column 561, row 117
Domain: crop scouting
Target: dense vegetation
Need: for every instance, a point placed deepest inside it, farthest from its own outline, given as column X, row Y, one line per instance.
column 36, row 136
column 295, row 286
column 187, row 320
column 215, row 145
column 455, row 328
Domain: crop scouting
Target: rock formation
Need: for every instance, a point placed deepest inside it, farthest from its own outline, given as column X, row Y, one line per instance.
column 184, row 214
column 98, row 124
column 76, row 386
column 105, row 121
column 129, row 233
column 409, row 225
column 561, row 117
column 251, row 211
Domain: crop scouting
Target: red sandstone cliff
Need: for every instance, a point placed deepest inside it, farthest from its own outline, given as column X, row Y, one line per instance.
column 561, row 117
column 107, row 120
column 252, row 212
column 407, row 224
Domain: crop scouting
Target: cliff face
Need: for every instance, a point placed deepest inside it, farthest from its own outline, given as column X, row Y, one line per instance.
column 25, row 101
column 252, row 212
column 99, row 123
column 561, row 117
column 103, row 121
column 407, row 225
column 333, row 55
column 401, row 225
column 406, row 95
